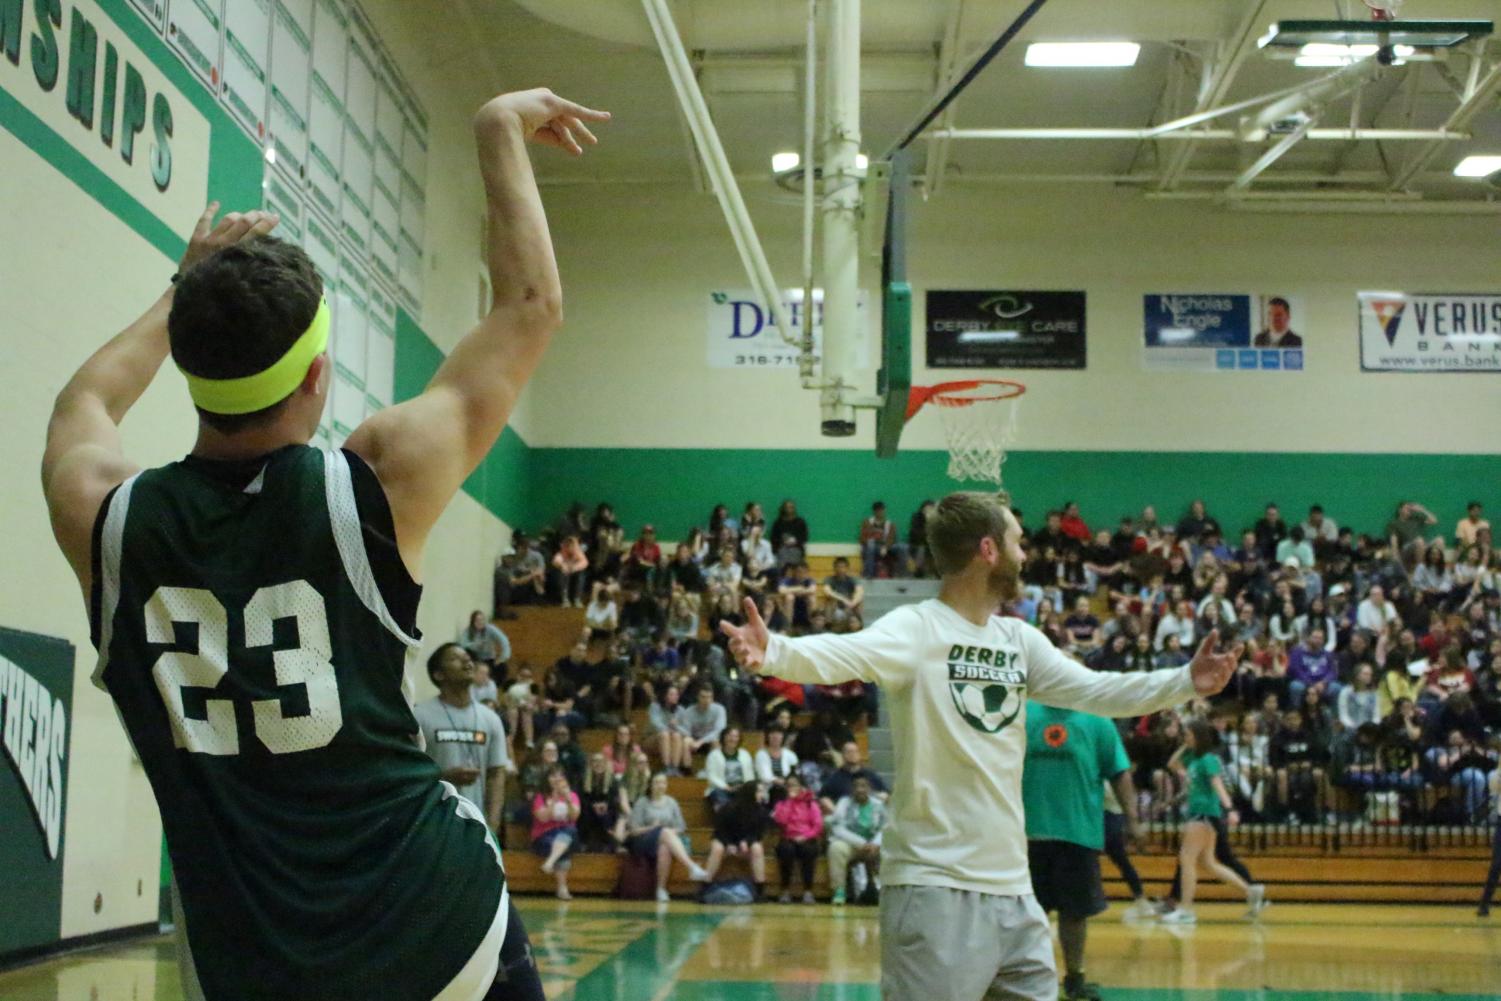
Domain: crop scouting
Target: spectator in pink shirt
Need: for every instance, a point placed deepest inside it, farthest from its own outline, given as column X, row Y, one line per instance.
column 572, row 567
column 801, row 820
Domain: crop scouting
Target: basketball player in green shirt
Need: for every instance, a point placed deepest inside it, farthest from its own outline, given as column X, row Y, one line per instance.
column 254, row 606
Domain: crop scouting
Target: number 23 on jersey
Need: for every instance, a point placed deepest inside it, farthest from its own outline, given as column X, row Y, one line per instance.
column 309, row 665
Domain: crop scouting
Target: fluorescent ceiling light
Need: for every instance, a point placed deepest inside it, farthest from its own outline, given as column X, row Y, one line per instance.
column 1083, row 54
column 1328, row 54
column 783, row 162
column 1478, row 166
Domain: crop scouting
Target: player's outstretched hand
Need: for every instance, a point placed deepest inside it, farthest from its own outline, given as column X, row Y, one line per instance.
column 1212, row 671
column 234, row 227
column 544, row 118
column 748, row 642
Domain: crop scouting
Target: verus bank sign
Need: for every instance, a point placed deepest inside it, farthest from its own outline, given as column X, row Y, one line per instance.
column 89, row 87
column 1430, row 332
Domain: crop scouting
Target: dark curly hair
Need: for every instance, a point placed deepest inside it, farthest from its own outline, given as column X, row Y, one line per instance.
column 237, row 311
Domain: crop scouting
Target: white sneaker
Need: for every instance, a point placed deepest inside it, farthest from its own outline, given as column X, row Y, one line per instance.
column 1140, row 910
column 698, row 874
column 663, row 896
column 1256, row 898
column 1179, row 917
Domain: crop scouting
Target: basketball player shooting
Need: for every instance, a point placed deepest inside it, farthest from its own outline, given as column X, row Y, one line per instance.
column 254, row 604
column 958, row 918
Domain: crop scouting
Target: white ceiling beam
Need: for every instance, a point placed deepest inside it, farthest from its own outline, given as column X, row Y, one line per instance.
column 1485, row 87
column 1197, row 135
column 1272, row 155
column 1221, row 77
column 948, row 68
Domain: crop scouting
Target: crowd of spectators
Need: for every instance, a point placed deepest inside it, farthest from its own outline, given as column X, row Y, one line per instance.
column 1370, row 680
column 1369, row 688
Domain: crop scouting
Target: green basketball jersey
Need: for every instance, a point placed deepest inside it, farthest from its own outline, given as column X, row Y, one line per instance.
column 246, row 637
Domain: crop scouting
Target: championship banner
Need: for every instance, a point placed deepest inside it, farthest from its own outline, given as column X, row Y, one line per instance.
column 1227, row 332
column 1429, row 332
column 36, row 703
column 742, row 335
column 1005, row 329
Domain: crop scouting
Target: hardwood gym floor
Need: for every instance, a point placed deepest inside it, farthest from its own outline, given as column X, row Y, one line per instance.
column 609, row 950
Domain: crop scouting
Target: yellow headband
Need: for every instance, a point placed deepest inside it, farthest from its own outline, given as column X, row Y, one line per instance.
column 250, row 393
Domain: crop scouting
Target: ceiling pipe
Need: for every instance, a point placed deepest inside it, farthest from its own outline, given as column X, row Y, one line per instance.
column 1480, row 95
column 1271, row 156
column 1199, row 135
column 1217, row 87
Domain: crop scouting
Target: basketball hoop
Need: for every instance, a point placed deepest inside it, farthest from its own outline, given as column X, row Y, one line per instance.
column 979, row 423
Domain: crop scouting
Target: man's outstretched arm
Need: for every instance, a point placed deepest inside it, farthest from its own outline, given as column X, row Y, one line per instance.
column 424, row 449
column 84, row 460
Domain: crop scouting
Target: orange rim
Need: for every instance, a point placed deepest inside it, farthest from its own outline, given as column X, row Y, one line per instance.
column 945, row 393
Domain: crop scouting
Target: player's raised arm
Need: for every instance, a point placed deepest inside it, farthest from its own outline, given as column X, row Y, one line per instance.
column 424, row 449
column 1055, row 680
column 881, row 653
column 84, row 459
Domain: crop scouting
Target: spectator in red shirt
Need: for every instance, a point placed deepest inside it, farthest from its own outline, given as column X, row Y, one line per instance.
column 645, row 556
column 1072, row 525
column 878, row 541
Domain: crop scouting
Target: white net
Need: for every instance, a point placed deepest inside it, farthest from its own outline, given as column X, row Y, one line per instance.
column 979, row 428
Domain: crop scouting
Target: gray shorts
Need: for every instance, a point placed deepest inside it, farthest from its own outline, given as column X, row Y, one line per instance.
column 939, row 944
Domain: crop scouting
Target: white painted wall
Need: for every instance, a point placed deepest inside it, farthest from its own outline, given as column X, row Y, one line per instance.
column 640, row 260
column 73, row 275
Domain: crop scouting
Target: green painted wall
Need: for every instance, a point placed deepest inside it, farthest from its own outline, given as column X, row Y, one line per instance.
column 676, row 488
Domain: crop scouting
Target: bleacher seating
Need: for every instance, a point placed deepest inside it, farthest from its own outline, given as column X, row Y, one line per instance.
column 1292, row 872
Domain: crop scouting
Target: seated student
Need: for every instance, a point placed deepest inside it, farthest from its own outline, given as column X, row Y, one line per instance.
column 622, row 748
column 855, row 832
column 558, row 702
column 602, row 616
column 775, row 761
column 555, row 817
column 486, row 644
column 603, row 806
column 723, row 579
column 739, row 828
column 582, row 675
column 571, row 755
column 667, row 734
column 841, row 782
column 1297, row 759
column 703, row 721
column 797, row 595
column 801, row 821
column 842, row 595
column 655, row 832
column 727, row 768
column 682, row 617
column 572, row 569
column 1083, row 627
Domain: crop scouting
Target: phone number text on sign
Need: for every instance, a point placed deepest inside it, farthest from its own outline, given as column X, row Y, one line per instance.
column 742, row 333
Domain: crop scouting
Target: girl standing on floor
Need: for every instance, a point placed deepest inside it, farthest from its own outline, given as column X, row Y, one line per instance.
column 1208, row 801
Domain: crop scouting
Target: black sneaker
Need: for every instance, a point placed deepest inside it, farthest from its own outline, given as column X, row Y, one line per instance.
column 1079, row 989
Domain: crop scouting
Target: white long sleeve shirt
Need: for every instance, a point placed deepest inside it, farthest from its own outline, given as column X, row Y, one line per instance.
column 957, row 694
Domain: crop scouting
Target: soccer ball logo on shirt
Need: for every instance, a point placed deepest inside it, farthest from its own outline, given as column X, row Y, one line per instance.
column 987, row 687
